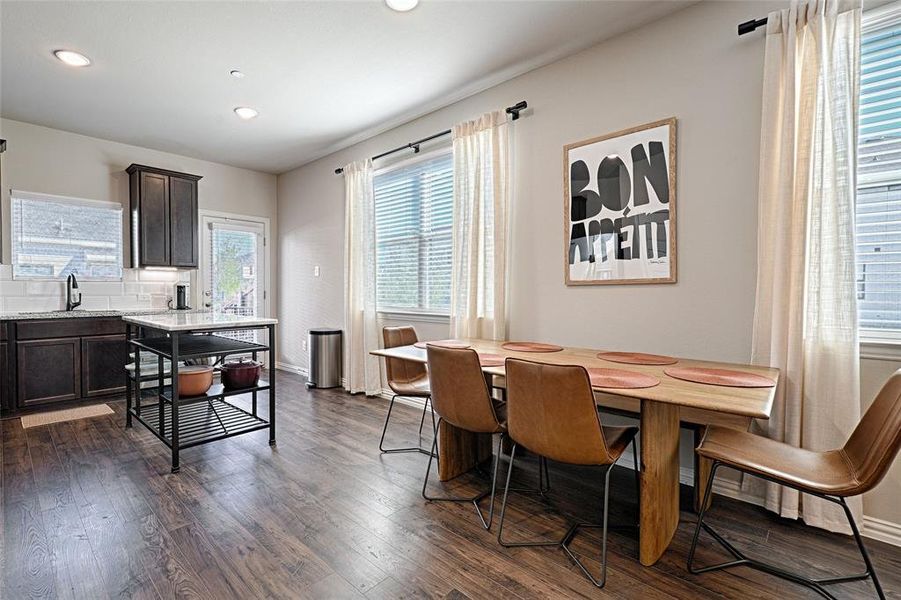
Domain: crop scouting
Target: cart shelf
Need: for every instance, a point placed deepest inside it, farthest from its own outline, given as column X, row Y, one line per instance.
column 197, row 346
column 216, row 391
column 200, row 420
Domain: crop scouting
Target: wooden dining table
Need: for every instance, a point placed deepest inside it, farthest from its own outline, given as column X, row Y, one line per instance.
column 661, row 409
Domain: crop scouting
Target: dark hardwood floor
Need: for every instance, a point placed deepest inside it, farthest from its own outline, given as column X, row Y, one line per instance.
column 90, row 510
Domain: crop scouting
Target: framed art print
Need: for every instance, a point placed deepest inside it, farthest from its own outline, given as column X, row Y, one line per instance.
column 619, row 195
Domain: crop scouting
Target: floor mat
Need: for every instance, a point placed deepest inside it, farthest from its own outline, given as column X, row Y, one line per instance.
column 69, row 414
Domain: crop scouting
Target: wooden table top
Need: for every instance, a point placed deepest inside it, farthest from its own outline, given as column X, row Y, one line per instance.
column 746, row 402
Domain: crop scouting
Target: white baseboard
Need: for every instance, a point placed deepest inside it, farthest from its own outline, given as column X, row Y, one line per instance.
column 414, row 402
column 884, row 531
column 302, row 371
column 292, row 368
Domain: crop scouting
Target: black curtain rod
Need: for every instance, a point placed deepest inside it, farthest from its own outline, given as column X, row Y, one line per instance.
column 510, row 110
column 749, row 26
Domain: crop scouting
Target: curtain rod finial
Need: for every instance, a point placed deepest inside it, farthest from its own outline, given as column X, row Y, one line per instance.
column 752, row 25
column 516, row 108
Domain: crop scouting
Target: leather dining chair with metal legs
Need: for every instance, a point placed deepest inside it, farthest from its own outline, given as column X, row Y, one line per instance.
column 461, row 397
column 833, row 475
column 551, row 411
column 406, row 379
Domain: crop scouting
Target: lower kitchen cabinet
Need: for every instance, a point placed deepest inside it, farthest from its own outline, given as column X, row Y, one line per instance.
column 102, row 360
column 4, row 376
column 48, row 371
column 50, row 362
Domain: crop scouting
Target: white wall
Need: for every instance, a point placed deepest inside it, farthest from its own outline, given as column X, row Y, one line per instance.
column 692, row 66
column 40, row 159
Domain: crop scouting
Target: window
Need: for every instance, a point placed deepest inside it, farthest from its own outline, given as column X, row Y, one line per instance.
column 879, row 177
column 413, row 221
column 53, row 236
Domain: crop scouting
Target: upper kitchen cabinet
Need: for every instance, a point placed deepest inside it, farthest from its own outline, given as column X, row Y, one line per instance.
column 164, row 225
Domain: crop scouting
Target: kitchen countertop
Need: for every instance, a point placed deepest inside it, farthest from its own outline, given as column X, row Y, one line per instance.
column 85, row 314
column 196, row 321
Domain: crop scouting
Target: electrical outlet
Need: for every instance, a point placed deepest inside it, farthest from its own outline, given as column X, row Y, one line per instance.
column 304, row 343
column 316, row 271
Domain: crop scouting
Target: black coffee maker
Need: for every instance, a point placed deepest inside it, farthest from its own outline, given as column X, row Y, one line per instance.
column 181, row 297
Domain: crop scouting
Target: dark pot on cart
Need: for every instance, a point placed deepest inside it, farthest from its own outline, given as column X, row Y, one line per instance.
column 242, row 373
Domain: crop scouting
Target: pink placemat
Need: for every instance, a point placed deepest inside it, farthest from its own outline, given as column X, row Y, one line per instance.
column 637, row 358
column 491, row 360
column 531, row 347
column 619, row 378
column 442, row 344
column 722, row 377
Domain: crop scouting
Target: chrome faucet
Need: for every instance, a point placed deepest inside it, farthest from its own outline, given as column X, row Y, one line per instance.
column 71, row 285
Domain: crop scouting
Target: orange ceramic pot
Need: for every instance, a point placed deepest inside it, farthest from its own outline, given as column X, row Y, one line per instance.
column 194, row 380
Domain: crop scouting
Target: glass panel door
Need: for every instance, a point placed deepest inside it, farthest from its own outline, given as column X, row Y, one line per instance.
column 233, row 269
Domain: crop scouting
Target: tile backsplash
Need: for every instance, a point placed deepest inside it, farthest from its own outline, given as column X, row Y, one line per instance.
column 139, row 288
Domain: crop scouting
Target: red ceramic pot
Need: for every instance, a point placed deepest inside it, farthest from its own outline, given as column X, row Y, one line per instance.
column 243, row 373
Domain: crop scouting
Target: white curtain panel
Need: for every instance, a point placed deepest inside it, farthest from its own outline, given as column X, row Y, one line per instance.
column 481, row 204
column 805, row 321
column 361, row 335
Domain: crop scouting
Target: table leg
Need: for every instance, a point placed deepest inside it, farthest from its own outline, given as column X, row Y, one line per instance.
column 271, row 392
column 459, row 450
column 128, row 389
column 175, row 402
column 253, row 395
column 659, row 478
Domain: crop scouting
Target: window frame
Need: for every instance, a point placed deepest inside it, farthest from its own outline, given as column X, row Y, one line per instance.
column 879, row 344
column 15, row 195
column 404, row 313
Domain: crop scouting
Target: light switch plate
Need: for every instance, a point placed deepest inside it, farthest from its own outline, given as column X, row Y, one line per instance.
column 316, row 271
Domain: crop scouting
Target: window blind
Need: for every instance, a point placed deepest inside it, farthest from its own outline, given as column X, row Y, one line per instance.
column 413, row 221
column 53, row 236
column 878, row 209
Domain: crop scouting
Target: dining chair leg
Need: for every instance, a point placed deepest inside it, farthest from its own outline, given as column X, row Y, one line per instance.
column 425, row 408
column 486, row 523
column 871, row 570
column 419, row 449
column 741, row 560
column 564, row 542
column 635, row 463
column 500, row 529
column 544, row 477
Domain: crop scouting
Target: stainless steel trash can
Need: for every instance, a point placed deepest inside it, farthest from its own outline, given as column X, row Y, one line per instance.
column 325, row 358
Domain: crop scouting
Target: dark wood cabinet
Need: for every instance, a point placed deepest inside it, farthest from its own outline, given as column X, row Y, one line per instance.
column 102, row 360
column 45, row 362
column 164, row 219
column 48, row 370
column 183, row 244
column 4, row 377
column 153, row 217
column 5, row 380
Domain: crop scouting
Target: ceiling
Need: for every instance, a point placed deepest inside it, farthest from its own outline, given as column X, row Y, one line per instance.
column 322, row 75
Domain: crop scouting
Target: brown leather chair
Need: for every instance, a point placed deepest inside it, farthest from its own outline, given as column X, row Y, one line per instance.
column 833, row 475
column 406, row 379
column 460, row 396
column 551, row 411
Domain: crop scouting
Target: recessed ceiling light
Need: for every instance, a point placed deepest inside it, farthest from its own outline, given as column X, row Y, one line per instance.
column 401, row 5
column 236, row 74
column 72, row 58
column 246, row 113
